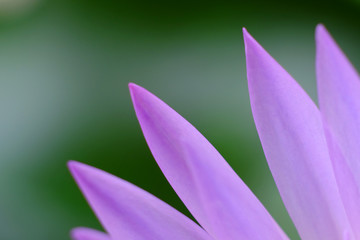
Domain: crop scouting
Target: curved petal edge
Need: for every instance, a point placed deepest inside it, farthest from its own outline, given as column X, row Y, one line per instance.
column 204, row 181
column 292, row 135
column 128, row 212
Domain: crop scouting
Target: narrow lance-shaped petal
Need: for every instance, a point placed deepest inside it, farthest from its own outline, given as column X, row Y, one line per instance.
column 210, row 189
column 339, row 97
column 128, row 212
column 292, row 135
column 82, row 233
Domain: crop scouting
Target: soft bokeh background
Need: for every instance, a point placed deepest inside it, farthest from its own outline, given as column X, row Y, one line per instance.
column 64, row 69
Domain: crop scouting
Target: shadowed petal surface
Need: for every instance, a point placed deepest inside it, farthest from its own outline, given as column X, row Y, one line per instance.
column 210, row 189
column 291, row 132
column 339, row 97
column 82, row 233
column 128, row 212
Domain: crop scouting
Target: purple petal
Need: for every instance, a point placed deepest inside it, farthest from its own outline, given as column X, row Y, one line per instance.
column 128, row 212
column 82, row 233
column 339, row 89
column 210, row 189
column 339, row 97
column 348, row 189
column 291, row 132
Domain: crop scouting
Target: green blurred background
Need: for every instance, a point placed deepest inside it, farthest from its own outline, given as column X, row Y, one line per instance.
column 64, row 69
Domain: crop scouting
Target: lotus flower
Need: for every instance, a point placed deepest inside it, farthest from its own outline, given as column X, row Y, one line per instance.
column 314, row 157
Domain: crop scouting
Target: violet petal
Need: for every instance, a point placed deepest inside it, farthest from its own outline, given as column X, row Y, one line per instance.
column 339, row 97
column 204, row 181
column 292, row 135
column 128, row 212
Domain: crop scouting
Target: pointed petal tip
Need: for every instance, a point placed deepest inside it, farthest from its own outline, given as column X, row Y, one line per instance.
column 252, row 47
column 138, row 93
column 244, row 31
column 71, row 164
column 248, row 39
column 257, row 58
column 132, row 86
column 82, row 172
column 321, row 33
column 320, row 27
column 75, row 166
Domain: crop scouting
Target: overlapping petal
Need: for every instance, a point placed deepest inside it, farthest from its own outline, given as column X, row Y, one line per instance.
column 348, row 189
column 313, row 156
column 128, row 212
column 82, row 233
column 210, row 189
column 292, row 135
column 339, row 97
